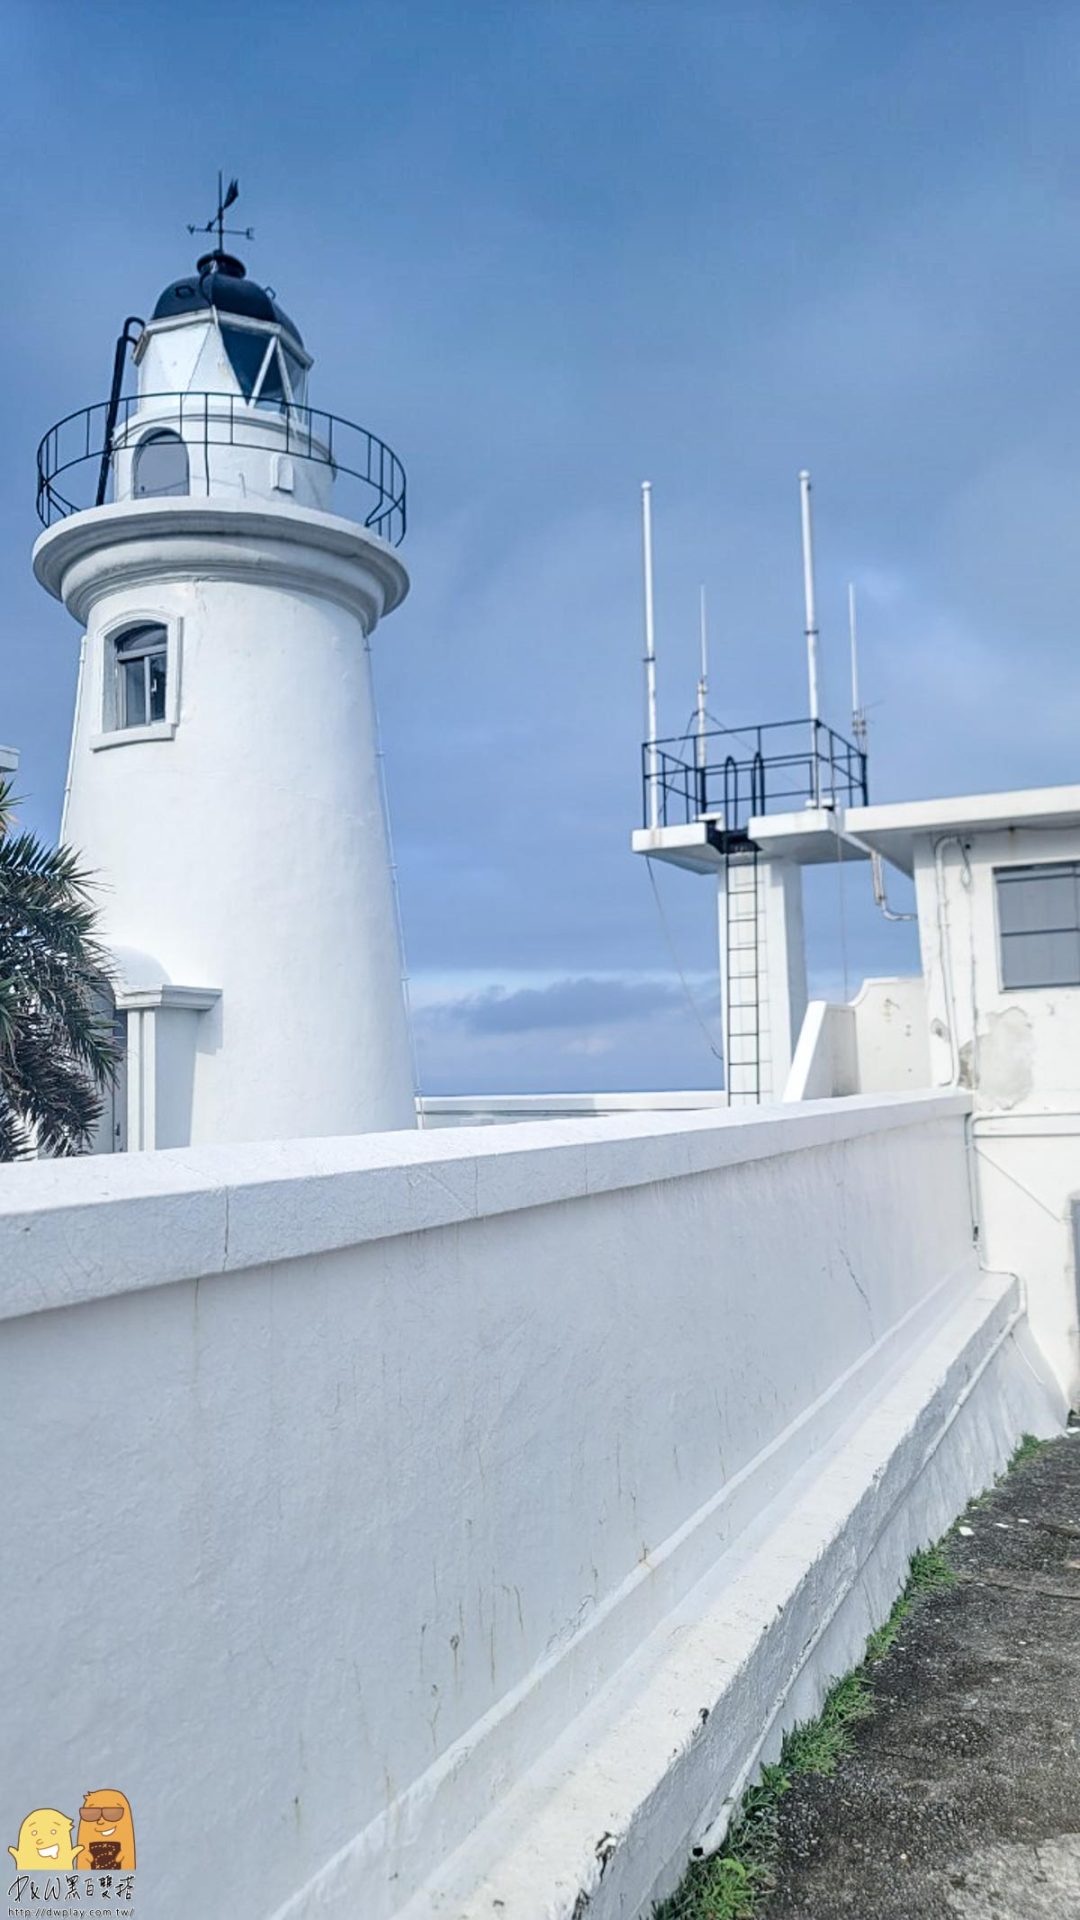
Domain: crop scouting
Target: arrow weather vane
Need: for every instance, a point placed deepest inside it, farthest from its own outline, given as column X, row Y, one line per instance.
column 226, row 197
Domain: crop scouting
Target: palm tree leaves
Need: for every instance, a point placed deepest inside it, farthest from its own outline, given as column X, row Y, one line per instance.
column 57, row 1050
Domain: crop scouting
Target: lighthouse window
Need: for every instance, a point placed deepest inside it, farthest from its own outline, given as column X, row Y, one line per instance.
column 140, row 656
column 247, row 351
column 1039, row 925
column 161, row 465
column 271, row 387
column 297, row 375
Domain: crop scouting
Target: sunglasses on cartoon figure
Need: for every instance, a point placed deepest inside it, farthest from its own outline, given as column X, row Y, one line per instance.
column 108, row 1815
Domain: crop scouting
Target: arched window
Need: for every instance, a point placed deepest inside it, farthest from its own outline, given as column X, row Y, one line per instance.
column 141, row 659
column 161, row 465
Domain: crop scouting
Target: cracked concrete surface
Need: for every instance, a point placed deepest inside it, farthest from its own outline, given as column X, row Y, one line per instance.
column 961, row 1800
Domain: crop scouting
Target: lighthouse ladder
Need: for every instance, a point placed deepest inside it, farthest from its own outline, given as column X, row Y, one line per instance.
column 745, row 1021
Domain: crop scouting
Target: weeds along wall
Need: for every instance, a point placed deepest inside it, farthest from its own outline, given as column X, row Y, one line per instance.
column 345, row 1473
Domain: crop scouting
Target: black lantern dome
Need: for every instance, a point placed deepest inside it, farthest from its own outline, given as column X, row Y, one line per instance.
column 220, row 280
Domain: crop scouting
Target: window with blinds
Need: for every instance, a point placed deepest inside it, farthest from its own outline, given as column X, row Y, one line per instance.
column 1039, row 925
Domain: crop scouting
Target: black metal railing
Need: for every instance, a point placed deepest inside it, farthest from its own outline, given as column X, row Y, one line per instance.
column 739, row 773
column 76, row 447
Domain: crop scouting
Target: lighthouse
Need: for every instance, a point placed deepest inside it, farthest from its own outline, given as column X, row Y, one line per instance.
column 228, row 551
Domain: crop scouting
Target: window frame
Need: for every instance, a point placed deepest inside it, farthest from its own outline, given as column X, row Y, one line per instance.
column 160, row 434
column 108, row 692
column 140, row 644
column 1035, row 870
column 277, row 338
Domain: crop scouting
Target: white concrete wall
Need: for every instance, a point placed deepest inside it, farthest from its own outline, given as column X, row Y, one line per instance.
column 1027, row 1170
column 876, row 1043
column 891, row 1042
column 1019, row 1052
column 825, row 1063
column 367, row 1464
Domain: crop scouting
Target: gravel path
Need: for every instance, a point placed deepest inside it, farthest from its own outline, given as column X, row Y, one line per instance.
column 961, row 1800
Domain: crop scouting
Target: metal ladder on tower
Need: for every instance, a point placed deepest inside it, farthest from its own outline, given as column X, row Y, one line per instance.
column 743, row 1034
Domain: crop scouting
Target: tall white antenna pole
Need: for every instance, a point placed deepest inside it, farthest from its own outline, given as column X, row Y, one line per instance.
column 858, row 721
column 811, row 632
column 702, row 685
column 650, row 655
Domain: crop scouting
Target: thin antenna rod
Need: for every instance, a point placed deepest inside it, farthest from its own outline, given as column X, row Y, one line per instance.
column 650, row 654
column 811, row 632
column 703, row 684
column 858, row 718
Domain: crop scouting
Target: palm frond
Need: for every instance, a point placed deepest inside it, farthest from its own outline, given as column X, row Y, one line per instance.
column 57, row 1047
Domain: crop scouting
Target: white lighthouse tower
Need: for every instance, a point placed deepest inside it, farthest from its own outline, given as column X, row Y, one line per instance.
column 224, row 780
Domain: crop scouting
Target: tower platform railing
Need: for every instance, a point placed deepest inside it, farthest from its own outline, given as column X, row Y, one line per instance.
column 733, row 774
column 78, row 450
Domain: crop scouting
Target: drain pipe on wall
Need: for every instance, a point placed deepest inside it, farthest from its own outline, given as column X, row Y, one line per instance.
column 948, row 839
column 877, row 875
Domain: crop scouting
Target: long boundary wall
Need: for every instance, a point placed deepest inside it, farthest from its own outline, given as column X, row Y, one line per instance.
column 407, row 1505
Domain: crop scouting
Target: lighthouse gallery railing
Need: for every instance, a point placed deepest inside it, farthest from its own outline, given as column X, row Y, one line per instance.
column 75, row 446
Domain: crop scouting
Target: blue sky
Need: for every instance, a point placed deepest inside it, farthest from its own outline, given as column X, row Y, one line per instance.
column 549, row 250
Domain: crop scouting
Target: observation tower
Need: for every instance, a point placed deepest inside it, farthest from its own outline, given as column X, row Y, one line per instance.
column 751, row 806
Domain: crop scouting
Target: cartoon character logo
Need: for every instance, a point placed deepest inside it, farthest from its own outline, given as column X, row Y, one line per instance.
column 44, row 1842
column 106, row 1833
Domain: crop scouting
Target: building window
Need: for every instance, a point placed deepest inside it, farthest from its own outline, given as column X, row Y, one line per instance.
column 1039, row 925
column 161, row 466
column 140, row 657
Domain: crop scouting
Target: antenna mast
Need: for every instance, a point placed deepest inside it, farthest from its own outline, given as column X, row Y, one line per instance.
column 650, row 654
column 811, row 633
column 858, row 715
column 703, row 684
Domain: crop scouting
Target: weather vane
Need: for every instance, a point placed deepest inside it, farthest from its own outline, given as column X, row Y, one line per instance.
column 226, row 198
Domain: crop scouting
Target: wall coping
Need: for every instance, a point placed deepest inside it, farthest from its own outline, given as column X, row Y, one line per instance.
column 556, row 1105
column 86, row 1229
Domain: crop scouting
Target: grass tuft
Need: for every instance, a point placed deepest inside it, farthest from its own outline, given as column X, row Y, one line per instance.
column 930, row 1571
column 1026, row 1450
column 730, row 1885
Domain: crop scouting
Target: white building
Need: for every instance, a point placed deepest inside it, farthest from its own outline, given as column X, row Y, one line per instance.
column 482, row 1507
column 224, row 778
column 995, row 1010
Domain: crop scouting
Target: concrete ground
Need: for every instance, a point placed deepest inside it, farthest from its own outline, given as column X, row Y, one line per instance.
column 961, row 1800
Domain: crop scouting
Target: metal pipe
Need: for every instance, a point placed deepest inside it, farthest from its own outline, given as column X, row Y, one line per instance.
column 811, row 630
column 880, row 899
column 114, row 403
column 651, row 728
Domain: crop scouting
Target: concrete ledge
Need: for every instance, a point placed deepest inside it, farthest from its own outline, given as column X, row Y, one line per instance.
column 606, row 1822
column 487, row 1108
column 80, row 1230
